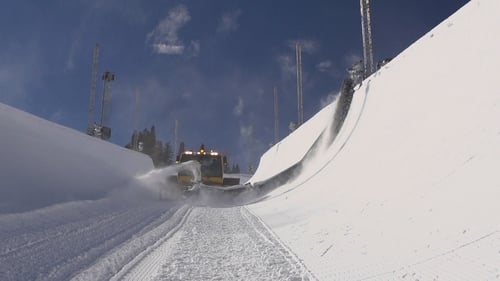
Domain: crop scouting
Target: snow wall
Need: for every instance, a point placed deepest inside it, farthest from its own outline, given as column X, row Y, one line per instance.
column 410, row 187
column 294, row 147
column 82, row 167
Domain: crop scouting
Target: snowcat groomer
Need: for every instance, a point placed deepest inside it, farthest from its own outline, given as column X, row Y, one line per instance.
column 212, row 165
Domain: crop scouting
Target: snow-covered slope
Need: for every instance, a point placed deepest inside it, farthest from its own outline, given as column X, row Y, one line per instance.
column 44, row 163
column 410, row 187
column 294, row 147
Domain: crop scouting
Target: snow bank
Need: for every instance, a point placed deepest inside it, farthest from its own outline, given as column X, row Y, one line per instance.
column 409, row 187
column 44, row 163
column 294, row 147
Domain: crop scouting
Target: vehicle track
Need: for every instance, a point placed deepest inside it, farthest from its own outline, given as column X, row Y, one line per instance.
column 144, row 265
column 217, row 244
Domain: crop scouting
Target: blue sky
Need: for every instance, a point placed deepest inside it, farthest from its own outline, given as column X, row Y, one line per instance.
column 210, row 64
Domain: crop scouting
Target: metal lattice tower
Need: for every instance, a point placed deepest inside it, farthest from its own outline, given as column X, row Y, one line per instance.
column 108, row 78
column 300, row 107
column 276, row 120
column 366, row 28
column 93, row 84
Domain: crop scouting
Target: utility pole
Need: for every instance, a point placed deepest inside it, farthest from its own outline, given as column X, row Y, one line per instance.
column 93, row 83
column 276, row 120
column 366, row 29
column 300, row 107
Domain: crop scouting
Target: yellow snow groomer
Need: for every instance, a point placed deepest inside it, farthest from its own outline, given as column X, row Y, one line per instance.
column 212, row 165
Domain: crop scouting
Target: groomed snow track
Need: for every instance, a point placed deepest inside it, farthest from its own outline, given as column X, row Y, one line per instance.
column 216, row 243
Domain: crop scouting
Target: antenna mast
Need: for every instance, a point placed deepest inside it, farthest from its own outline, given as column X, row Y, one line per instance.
column 366, row 28
column 300, row 107
column 93, row 83
column 276, row 121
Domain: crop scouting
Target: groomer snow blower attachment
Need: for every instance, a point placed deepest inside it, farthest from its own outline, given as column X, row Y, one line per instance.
column 211, row 169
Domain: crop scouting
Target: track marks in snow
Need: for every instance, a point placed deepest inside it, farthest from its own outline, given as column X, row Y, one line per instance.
column 58, row 252
column 115, row 263
column 220, row 244
column 146, row 264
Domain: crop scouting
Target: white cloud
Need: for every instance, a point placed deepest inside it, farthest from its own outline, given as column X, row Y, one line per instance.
column 162, row 48
column 164, row 38
column 324, row 66
column 238, row 109
column 229, row 22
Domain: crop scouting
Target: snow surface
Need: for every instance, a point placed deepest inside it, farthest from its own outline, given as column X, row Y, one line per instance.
column 76, row 207
column 208, row 248
column 408, row 190
column 410, row 187
column 44, row 163
column 294, row 147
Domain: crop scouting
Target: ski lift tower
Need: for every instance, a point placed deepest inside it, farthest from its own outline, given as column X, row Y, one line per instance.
column 366, row 29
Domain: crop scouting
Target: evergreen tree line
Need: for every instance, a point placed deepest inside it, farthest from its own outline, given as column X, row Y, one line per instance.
column 235, row 169
column 161, row 153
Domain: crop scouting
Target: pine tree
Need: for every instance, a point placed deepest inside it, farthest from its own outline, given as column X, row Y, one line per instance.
column 161, row 154
column 181, row 148
column 149, row 141
column 168, row 154
column 157, row 153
